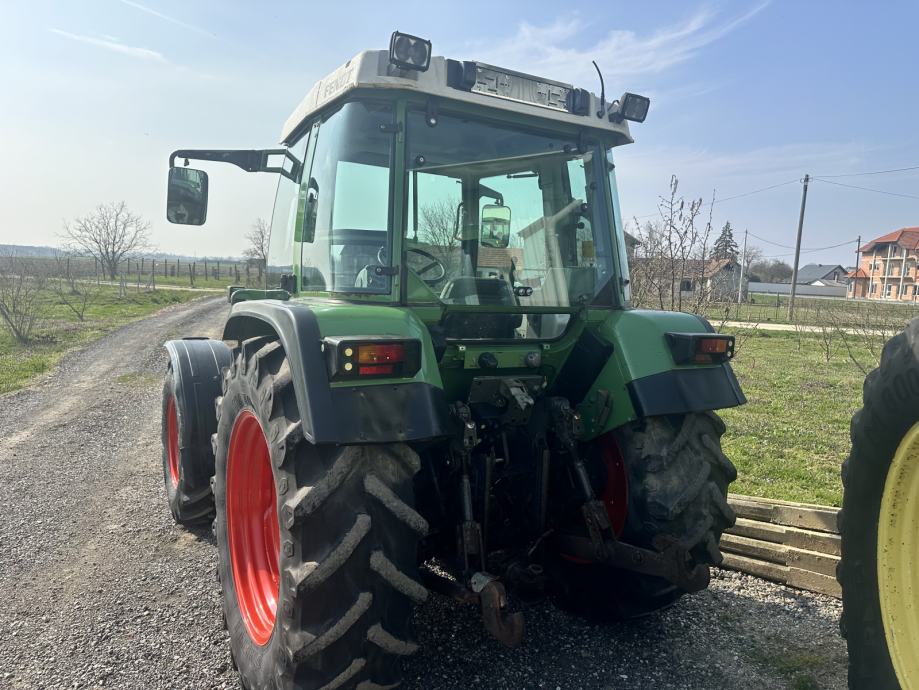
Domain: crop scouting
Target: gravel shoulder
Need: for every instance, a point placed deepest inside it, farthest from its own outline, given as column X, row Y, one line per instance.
column 100, row 589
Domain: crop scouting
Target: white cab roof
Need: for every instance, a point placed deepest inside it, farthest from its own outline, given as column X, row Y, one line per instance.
column 371, row 70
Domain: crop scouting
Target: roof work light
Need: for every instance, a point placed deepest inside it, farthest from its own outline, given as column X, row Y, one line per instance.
column 409, row 52
column 631, row 107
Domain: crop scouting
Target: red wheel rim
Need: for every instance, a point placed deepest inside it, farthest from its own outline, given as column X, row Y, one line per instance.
column 172, row 440
column 615, row 494
column 252, row 527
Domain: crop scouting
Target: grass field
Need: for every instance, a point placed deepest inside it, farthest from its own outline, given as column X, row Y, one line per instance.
column 789, row 441
column 60, row 330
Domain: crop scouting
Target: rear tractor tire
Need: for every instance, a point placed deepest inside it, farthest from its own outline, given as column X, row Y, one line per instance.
column 317, row 545
column 879, row 524
column 677, row 479
column 187, row 466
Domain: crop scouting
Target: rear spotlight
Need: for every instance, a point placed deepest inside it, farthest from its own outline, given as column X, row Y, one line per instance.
column 630, row 107
column 409, row 52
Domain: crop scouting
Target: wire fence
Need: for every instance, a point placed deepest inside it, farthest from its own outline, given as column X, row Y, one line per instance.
column 761, row 308
column 151, row 272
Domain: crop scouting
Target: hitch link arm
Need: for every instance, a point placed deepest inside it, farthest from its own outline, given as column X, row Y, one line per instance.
column 671, row 560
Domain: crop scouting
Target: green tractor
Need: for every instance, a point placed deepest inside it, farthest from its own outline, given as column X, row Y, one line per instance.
column 879, row 524
column 442, row 385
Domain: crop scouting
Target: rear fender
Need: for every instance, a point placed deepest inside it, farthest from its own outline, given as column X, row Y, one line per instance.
column 197, row 369
column 383, row 413
column 641, row 379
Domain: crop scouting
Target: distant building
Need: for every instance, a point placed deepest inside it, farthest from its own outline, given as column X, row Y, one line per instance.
column 714, row 279
column 887, row 268
column 826, row 275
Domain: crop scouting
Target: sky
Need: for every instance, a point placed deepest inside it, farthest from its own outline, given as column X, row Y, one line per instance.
column 744, row 95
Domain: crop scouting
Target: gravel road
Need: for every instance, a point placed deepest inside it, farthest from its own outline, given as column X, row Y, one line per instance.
column 98, row 587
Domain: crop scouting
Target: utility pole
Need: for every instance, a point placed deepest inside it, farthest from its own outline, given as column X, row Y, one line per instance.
column 858, row 258
column 794, row 270
column 743, row 262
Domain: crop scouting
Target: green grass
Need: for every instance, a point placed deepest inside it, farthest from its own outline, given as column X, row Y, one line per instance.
column 60, row 330
column 789, row 440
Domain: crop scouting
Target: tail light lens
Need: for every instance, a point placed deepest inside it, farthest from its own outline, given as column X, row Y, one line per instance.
column 700, row 348
column 357, row 359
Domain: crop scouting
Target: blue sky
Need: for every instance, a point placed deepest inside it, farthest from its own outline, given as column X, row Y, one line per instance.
column 745, row 95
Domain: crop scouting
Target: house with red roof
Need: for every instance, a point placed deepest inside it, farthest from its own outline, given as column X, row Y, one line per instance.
column 887, row 268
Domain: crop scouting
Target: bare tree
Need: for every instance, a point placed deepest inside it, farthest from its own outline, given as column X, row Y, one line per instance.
column 21, row 299
column 110, row 233
column 438, row 229
column 258, row 240
column 73, row 292
column 766, row 271
column 258, row 245
column 672, row 266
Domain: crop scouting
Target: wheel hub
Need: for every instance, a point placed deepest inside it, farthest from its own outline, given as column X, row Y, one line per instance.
column 898, row 559
column 252, row 526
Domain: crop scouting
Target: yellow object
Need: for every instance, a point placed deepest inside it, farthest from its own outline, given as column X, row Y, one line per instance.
column 348, row 366
column 898, row 560
column 348, row 352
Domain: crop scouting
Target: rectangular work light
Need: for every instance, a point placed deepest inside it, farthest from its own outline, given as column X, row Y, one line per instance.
column 409, row 52
column 630, row 107
column 700, row 348
column 358, row 358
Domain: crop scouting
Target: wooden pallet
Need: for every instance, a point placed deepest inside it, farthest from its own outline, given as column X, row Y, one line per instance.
column 796, row 544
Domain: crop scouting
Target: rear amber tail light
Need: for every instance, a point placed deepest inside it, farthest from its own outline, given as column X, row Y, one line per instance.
column 368, row 353
column 700, row 348
column 357, row 359
column 712, row 346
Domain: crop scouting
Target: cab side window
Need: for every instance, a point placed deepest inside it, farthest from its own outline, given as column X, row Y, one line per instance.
column 284, row 220
column 347, row 202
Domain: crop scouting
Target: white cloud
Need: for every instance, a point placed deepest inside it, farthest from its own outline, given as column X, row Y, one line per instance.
column 166, row 17
column 113, row 45
column 557, row 50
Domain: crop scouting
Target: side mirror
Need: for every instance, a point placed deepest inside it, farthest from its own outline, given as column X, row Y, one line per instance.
column 496, row 226
column 186, row 200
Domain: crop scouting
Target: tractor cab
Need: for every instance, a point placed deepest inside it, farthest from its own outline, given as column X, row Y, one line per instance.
column 482, row 193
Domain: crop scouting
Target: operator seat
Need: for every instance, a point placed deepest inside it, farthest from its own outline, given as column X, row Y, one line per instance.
column 480, row 325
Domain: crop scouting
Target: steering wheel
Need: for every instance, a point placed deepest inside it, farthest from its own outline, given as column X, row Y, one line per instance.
column 435, row 263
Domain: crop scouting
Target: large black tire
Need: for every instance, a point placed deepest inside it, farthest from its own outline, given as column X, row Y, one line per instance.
column 349, row 539
column 188, row 474
column 677, row 486
column 890, row 409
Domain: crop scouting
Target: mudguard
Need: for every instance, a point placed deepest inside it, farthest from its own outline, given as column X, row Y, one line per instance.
column 383, row 413
column 197, row 367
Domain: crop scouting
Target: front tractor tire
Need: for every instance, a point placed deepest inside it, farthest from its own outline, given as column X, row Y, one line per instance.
column 677, row 480
column 317, row 545
column 879, row 524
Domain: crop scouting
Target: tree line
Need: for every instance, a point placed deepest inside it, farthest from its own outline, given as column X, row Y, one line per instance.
column 110, row 234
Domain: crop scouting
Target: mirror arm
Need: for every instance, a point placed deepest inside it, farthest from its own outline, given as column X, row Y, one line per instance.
column 250, row 161
column 485, row 190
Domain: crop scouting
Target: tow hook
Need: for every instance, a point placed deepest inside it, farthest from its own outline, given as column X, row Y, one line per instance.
column 505, row 627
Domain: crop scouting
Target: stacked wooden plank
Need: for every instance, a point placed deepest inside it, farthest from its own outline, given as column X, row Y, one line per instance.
column 796, row 544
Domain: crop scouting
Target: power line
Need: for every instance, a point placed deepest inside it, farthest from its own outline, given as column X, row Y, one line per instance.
column 808, row 249
column 873, row 172
column 730, row 198
column 868, row 189
column 805, row 251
